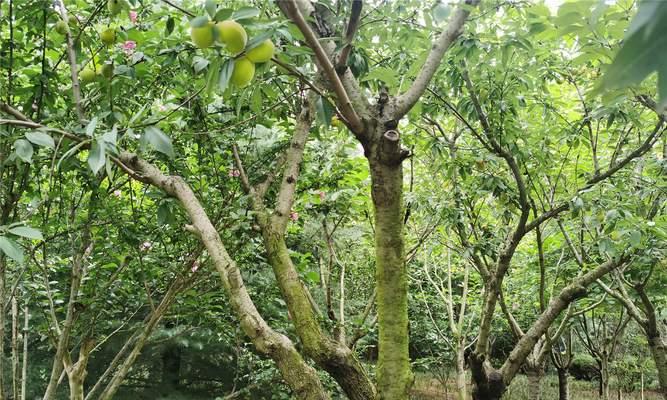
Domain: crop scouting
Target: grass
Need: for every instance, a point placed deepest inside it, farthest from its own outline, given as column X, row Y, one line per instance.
column 429, row 388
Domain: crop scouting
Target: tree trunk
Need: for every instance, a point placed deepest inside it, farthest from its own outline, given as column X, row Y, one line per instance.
column 563, row 384
column 534, row 383
column 604, row 378
column 24, row 365
column 461, row 389
column 15, row 347
column 334, row 357
column 393, row 369
column 75, row 387
column 659, row 352
column 3, row 265
column 299, row 376
column 488, row 383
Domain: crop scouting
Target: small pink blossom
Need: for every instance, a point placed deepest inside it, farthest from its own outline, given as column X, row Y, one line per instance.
column 145, row 246
column 234, row 173
column 322, row 195
column 294, row 215
column 133, row 17
column 129, row 46
column 195, row 266
column 117, row 193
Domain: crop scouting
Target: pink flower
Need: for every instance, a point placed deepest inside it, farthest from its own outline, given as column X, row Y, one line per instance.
column 145, row 246
column 129, row 47
column 195, row 266
column 234, row 173
column 322, row 195
column 117, row 193
column 294, row 215
column 133, row 17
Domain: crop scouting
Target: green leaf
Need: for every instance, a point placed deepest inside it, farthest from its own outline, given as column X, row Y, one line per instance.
column 23, row 150
column 26, row 232
column 225, row 74
column 169, row 28
column 96, row 156
column 40, row 139
column 210, row 7
column 245, row 13
column 11, row 249
column 223, row 14
column 159, row 140
column 90, row 128
column 199, row 22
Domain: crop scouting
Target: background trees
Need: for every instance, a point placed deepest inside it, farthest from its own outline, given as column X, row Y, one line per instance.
column 404, row 184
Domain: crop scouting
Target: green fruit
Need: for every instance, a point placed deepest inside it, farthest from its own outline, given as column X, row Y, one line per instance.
column 233, row 36
column 61, row 27
column 115, row 7
column 107, row 70
column 261, row 53
column 108, row 36
column 72, row 20
column 244, row 71
column 202, row 37
column 87, row 75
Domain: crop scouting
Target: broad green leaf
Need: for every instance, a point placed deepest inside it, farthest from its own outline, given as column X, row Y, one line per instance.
column 159, row 140
column 245, row 13
column 26, row 232
column 11, row 249
column 96, row 156
column 40, row 139
column 90, row 128
column 225, row 74
column 23, row 150
column 210, row 7
column 199, row 22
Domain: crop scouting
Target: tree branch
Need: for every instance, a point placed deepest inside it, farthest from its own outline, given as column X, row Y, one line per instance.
column 348, row 111
column 352, row 26
column 407, row 100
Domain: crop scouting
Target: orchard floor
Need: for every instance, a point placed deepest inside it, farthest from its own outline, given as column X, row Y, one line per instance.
column 430, row 388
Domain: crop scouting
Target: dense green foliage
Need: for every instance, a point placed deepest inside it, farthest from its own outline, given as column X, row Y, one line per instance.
column 535, row 156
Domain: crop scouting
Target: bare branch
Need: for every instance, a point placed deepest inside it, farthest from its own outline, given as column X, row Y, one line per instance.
column 454, row 29
column 352, row 26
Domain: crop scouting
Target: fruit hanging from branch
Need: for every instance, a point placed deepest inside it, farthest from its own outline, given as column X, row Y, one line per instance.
column 108, row 36
column 203, row 36
column 262, row 53
column 233, row 36
column 244, row 71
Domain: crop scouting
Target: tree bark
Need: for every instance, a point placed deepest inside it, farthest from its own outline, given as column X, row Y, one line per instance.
column 301, row 377
column 461, row 388
column 393, row 369
column 24, row 365
column 563, row 384
column 15, row 347
column 534, row 382
column 604, row 378
column 658, row 347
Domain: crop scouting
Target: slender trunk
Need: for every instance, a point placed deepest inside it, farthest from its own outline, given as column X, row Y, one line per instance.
column 461, row 390
column 393, row 369
column 15, row 348
column 534, row 383
column 658, row 347
column 3, row 265
column 333, row 356
column 301, row 377
column 563, row 384
column 604, row 378
column 75, row 387
column 24, row 366
column 113, row 364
